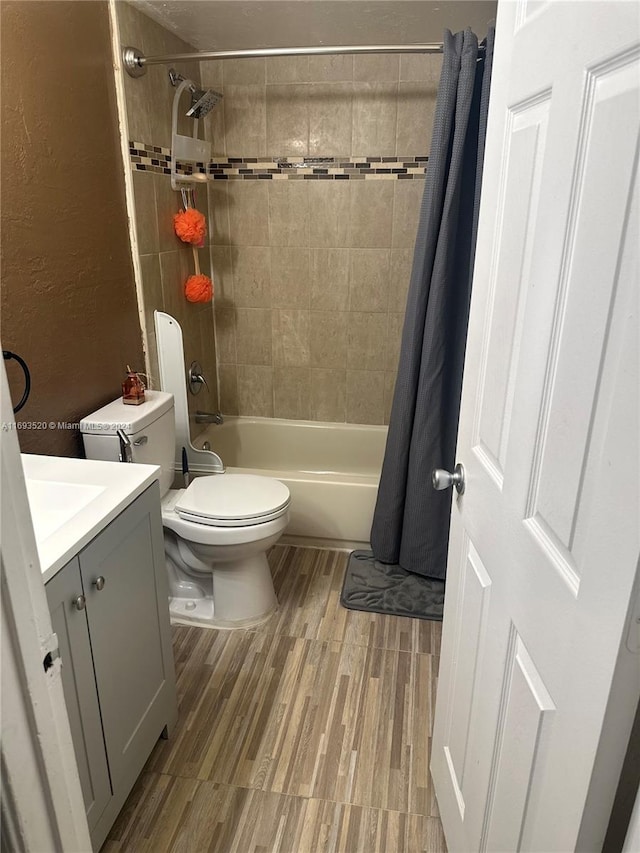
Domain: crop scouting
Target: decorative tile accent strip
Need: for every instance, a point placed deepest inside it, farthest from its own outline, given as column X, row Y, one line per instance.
column 147, row 158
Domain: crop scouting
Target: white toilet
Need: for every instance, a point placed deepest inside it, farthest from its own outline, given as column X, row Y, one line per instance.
column 217, row 530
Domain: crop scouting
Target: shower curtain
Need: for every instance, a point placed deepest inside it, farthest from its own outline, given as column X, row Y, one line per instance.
column 411, row 520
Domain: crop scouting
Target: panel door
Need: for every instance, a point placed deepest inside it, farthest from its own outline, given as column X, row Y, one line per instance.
column 79, row 685
column 128, row 624
column 545, row 540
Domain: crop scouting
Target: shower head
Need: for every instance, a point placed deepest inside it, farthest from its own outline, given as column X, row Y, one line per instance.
column 202, row 100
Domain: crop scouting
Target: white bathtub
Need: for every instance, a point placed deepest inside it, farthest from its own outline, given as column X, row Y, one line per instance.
column 331, row 470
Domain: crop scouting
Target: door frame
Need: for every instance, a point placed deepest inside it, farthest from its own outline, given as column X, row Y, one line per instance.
column 42, row 803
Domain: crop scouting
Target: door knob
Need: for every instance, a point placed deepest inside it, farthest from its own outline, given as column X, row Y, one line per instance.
column 99, row 583
column 80, row 602
column 445, row 479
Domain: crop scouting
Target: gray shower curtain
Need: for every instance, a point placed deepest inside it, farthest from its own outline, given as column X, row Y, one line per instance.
column 411, row 520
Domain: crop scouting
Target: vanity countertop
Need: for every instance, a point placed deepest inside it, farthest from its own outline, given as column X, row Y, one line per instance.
column 72, row 500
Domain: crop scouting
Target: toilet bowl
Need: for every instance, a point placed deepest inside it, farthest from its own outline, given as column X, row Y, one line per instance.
column 217, row 530
column 217, row 533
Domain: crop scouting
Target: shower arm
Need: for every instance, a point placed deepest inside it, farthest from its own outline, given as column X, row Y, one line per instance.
column 135, row 62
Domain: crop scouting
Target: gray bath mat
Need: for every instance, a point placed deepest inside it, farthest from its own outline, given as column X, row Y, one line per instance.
column 383, row 588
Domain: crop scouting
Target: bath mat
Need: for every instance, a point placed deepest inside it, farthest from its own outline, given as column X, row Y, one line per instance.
column 383, row 588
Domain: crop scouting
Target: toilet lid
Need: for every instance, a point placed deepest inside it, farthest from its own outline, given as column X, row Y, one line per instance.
column 233, row 500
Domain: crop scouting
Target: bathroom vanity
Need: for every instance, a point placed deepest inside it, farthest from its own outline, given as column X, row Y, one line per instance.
column 99, row 534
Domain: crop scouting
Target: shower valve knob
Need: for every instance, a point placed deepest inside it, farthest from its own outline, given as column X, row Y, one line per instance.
column 442, row 479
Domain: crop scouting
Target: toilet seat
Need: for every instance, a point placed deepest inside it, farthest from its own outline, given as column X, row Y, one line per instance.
column 233, row 500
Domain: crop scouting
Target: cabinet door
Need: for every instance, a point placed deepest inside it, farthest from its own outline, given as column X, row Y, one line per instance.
column 78, row 682
column 129, row 627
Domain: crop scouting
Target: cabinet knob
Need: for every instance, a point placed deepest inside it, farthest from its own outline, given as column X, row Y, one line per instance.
column 99, row 583
column 80, row 602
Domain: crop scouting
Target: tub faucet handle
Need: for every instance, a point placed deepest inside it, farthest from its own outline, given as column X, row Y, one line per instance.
column 196, row 378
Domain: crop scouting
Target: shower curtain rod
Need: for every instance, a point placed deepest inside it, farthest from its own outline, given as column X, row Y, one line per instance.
column 135, row 62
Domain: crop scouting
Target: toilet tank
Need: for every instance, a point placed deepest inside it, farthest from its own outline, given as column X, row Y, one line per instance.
column 150, row 427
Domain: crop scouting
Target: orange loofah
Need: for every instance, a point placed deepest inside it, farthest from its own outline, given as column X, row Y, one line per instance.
column 190, row 226
column 198, row 288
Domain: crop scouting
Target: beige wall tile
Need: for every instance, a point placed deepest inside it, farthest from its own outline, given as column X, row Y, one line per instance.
column 146, row 222
column 331, row 68
column 290, row 334
column 371, row 213
column 287, row 69
column 420, row 67
column 329, row 212
column 175, row 267
column 416, row 108
column 330, row 119
column 245, row 120
column 289, row 213
column 249, row 212
column 287, row 120
column 218, row 230
column 255, row 390
column 151, row 289
column 168, row 203
column 225, row 318
column 290, row 278
column 153, row 370
column 243, row 71
column 406, row 212
column 211, row 74
column 365, row 397
column 228, row 378
column 253, row 336
column 376, row 68
column 213, row 127
column 329, row 279
column 366, row 341
column 251, row 276
column 291, row 392
column 328, row 339
column 222, row 275
column 369, row 279
column 328, row 395
column 209, row 399
column 394, row 340
column 399, row 278
column 374, row 119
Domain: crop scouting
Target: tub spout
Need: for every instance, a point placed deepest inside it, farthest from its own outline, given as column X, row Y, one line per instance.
column 209, row 418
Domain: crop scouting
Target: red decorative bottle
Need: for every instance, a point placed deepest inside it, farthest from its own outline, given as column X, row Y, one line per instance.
column 132, row 389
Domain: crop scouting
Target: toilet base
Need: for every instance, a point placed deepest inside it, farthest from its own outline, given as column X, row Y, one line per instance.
column 199, row 612
column 219, row 587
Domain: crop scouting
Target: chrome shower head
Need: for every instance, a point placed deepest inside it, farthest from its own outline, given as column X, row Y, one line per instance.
column 202, row 100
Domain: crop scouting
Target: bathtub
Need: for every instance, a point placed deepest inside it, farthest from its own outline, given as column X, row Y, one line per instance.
column 331, row 470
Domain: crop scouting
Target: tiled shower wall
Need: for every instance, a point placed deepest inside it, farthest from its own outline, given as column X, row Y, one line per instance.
column 165, row 261
column 312, row 272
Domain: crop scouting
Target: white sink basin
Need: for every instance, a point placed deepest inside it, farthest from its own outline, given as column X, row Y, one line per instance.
column 72, row 500
column 54, row 503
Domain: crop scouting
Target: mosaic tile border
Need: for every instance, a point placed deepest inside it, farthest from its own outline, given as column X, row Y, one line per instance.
column 147, row 158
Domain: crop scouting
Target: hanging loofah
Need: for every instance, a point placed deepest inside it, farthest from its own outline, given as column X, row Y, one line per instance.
column 190, row 226
column 198, row 288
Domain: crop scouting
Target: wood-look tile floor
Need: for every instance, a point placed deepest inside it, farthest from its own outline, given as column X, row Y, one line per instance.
column 309, row 734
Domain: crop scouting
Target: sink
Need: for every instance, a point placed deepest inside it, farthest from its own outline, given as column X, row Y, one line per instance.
column 72, row 500
column 55, row 503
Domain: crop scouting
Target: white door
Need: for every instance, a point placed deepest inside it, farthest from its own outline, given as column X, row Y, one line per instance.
column 545, row 540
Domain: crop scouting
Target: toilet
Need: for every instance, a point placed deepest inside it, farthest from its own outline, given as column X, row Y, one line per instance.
column 217, row 530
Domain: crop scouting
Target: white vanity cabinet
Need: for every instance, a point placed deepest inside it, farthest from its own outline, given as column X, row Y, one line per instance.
column 109, row 609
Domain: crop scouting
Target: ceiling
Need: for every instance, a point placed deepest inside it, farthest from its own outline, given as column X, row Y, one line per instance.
column 243, row 24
